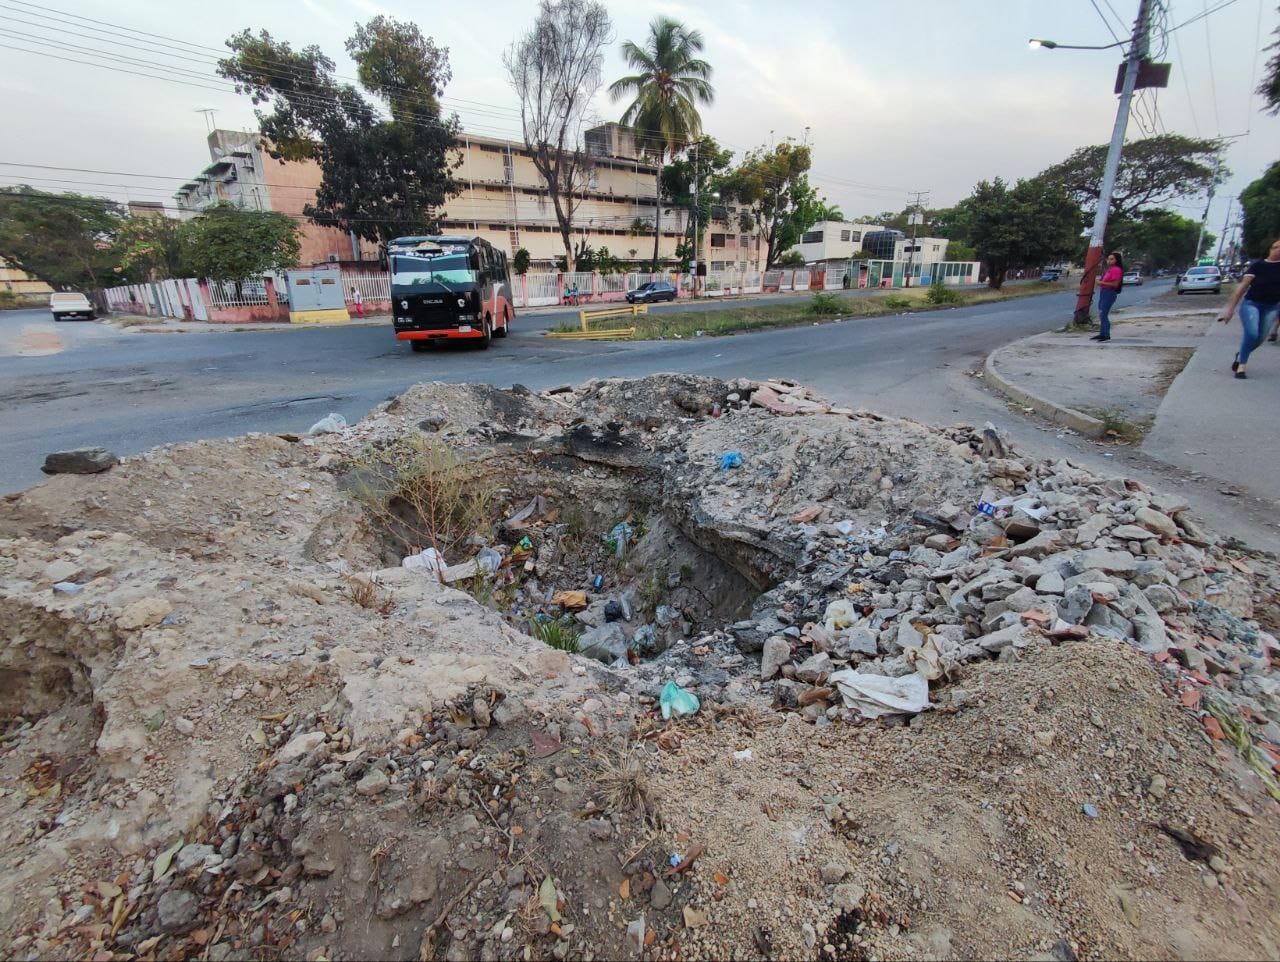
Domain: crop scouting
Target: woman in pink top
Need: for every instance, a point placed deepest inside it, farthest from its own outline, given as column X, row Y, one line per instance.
column 1109, row 288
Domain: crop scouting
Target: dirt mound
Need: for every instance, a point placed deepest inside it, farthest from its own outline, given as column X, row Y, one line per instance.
column 237, row 725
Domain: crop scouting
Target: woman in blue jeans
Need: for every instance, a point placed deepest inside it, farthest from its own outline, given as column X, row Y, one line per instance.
column 1108, row 290
column 1258, row 297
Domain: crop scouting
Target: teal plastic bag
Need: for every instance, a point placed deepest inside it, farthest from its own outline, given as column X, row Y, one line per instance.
column 676, row 701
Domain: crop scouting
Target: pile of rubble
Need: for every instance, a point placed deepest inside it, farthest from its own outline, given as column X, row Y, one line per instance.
column 238, row 724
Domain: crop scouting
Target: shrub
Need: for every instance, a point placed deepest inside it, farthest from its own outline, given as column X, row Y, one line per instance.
column 824, row 304
column 896, row 302
column 556, row 635
column 940, row 294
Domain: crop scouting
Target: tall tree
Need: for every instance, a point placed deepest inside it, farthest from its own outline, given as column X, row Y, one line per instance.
column 1035, row 222
column 555, row 70
column 669, row 83
column 63, row 239
column 229, row 243
column 149, row 248
column 1261, row 204
column 382, row 177
column 1269, row 87
column 773, row 185
column 1153, row 172
column 1156, row 239
column 707, row 163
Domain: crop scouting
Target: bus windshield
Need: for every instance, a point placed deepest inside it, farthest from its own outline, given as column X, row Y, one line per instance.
column 447, row 267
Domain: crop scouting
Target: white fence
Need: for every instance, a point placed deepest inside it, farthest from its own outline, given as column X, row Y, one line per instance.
column 372, row 287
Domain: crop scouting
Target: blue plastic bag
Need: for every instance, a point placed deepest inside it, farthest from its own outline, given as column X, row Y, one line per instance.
column 676, row 701
column 731, row 459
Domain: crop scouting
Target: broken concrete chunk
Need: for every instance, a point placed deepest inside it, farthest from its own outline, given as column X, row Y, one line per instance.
column 775, row 654
column 79, row 461
column 1153, row 520
column 606, row 643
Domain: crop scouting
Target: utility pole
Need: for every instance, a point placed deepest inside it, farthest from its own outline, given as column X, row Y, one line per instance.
column 696, row 247
column 1217, row 164
column 1226, row 226
column 1137, row 52
column 914, row 217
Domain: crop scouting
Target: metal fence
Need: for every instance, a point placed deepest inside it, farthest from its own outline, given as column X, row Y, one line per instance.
column 372, row 287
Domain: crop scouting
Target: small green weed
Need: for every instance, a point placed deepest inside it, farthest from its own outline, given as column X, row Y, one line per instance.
column 895, row 302
column 941, row 294
column 556, row 635
column 825, row 305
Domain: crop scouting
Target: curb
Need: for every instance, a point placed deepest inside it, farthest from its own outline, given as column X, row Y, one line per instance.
column 1079, row 422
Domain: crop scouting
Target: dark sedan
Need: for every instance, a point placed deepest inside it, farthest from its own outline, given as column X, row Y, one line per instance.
column 651, row 292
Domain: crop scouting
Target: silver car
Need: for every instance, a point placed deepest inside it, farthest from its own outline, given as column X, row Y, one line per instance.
column 1199, row 279
column 68, row 304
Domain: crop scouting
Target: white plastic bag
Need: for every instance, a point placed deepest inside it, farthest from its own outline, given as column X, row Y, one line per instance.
column 430, row 561
column 876, row 695
column 328, row 425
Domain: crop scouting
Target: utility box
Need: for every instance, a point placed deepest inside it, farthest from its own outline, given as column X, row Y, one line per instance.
column 316, row 297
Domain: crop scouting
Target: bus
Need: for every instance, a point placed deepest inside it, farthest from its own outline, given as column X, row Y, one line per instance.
column 449, row 288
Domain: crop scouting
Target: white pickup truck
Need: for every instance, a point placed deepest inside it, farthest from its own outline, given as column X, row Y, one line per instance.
column 69, row 304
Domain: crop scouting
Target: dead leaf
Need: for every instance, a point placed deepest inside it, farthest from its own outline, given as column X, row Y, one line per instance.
column 547, row 899
column 721, row 878
column 693, row 918
column 160, row 867
column 544, row 745
column 624, row 890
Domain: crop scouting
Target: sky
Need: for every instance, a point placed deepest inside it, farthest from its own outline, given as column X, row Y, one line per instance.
column 894, row 98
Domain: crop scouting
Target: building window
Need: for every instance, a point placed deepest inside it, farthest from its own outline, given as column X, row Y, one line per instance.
column 856, row 236
column 811, row 237
column 844, row 235
column 717, row 265
column 717, row 240
column 744, row 240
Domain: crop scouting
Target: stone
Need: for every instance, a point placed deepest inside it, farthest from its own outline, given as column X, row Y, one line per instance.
column 607, row 643
column 1169, row 504
column 834, row 872
column 659, row 895
column 184, row 726
column 775, row 654
column 300, row 745
column 1051, row 583
column 143, row 614
column 79, row 461
column 191, row 856
column 67, row 588
column 1014, row 635
column 1103, row 559
column 1132, row 532
column 1149, row 573
column 176, row 911
column 855, row 641
column 1158, row 787
column 815, row 668
column 1153, row 520
column 1076, row 606
column 1037, row 547
column 374, row 783
column 848, row 896
column 61, row 570
column 1161, row 597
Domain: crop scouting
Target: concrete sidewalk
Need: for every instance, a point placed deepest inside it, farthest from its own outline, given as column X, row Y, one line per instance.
column 1214, row 425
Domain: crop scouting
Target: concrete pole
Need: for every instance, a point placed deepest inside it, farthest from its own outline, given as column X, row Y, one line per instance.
column 1137, row 50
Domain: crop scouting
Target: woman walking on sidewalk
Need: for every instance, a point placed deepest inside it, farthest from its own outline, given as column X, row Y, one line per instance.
column 1110, row 286
column 1258, row 297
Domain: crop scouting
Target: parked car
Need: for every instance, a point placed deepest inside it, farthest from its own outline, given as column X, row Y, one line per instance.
column 1133, row 277
column 1199, row 279
column 1050, row 274
column 68, row 304
column 652, row 291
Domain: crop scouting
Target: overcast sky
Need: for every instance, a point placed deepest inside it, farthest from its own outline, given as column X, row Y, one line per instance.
column 933, row 95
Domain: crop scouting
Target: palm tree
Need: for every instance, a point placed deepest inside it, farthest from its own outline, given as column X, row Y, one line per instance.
column 669, row 83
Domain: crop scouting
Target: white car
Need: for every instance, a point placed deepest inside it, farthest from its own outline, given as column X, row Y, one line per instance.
column 1134, row 278
column 1199, row 279
column 69, row 304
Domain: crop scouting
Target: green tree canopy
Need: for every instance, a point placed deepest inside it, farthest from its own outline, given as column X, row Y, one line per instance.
column 669, row 83
column 1269, row 87
column 778, row 202
column 229, row 243
column 1152, row 172
column 1261, row 204
column 148, row 248
column 382, row 177
column 1033, row 223
column 63, row 239
column 1156, row 239
column 706, row 162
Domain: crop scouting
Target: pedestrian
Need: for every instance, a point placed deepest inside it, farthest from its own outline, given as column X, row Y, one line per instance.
column 357, row 301
column 1109, row 289
column 1258, row 297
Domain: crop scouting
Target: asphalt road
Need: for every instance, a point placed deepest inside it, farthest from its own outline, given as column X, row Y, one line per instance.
column 76, row 384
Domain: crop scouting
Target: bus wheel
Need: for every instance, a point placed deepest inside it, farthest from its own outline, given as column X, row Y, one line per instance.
column 506, row 324
column 487, row 339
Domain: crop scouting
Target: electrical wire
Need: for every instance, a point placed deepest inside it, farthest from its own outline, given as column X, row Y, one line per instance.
column 1105, row 22
column 1213, row 83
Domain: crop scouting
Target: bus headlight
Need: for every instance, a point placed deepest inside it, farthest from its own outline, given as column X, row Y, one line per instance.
column 462, row 302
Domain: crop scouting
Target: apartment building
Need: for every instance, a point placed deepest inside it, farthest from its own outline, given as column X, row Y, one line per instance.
column 502, row 197
column 15, row 281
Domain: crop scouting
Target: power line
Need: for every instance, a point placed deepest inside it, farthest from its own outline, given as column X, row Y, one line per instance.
column 1191, row 104
column 1213, row 84
column 1105, row 22
column 1200, row 16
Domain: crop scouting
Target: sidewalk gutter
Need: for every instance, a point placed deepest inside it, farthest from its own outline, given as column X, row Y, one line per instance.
column 1079, row 422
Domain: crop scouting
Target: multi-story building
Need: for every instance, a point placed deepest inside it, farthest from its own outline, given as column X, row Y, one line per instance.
column 15, row 281
column 244, row 174
column 501, row 197
column 835, row 241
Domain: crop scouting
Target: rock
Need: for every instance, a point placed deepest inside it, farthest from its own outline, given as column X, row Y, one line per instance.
column 316, row 865
column 1051, row 583
column 1076, row 606
column 815, row 668
column 847, row 897
column 68, row 588
column 855, row 641
column 191, row 856
column 143, row 614
column 659, row 895
column 1157, row 788
column 1132, row 532
column 1042, row 544
column 1169, row 504
column 1112, row 562
column 185, row 726
column 1161, row 597
column 300, row 745
column 374, row 783
column 607, row 643
column 1153, row 520
column 776, row 653
column 834, row 872
column 61, row 570
column 176, row 911
column 1149, row 573
column 1014, row 635
column 79, row 461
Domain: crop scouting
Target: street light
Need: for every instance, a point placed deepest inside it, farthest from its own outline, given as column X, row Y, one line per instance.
column 1036, row 44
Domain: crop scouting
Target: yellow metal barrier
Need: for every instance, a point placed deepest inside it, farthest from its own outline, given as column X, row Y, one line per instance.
column 586, row 317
